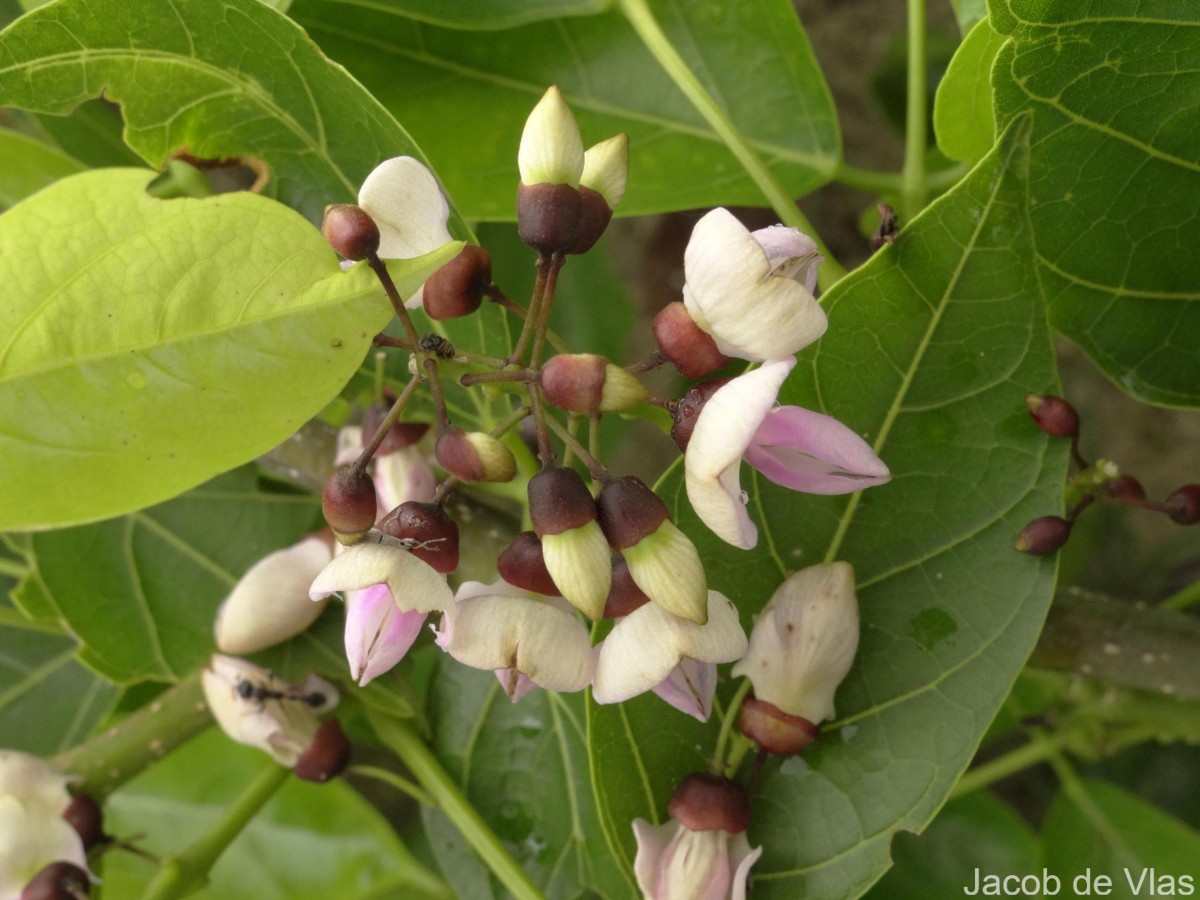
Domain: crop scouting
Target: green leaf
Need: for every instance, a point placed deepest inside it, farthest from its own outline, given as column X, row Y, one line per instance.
column 140, row 592
column 973, row 832
column 222, row 78
column 1114, row 178
column 962, row 109
column 969, row 12
column 311, row 842
column 1102, row 831
column 29, row 166
column 486, row 14
column 524, row 767
column 164, row 341
column 489, row 83
column 931, row 349
column 92, row 134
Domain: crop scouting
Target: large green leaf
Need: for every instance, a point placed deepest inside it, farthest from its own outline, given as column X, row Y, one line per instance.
column 1114, row 179
column 485, row 14
column 141, row 591
column 524, row 767
column 931, row 349
column 962, row 109
column 1101, row 831
column 311, row 842
column 485, row 84
column 163, row 342
column 220, row 78
column 29, row 165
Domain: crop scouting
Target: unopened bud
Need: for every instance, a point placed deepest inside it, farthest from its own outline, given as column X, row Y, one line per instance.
column 773, row 730
column 624, row 596
column 705, row 802
column 458, row 287
column 58, row 881
column 601, row 187
column 399, row 436
column 1043, row 535
column 1126, row 487
column 434, row 535
column 1183, row 506
column 327, row 755
column 522, row 565
column 586, row 383
column 474, row 456
column 574, row 548
column 687, row 411
column 691, row 349
column 84, row 815
column 349, row 503
column 1053, row 415
column 350, row 231
column 629, row 511
column 559, row 501
column 594, row 216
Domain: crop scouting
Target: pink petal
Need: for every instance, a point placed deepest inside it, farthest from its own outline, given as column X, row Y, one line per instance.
column 378, row 634
column 690, row 688
column 807, row 451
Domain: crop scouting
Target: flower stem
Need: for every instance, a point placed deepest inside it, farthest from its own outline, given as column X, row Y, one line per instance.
column 1010, row 763
column 892, row 182
column 389, row 777
column 426, row 768
column 114, row 756
column 638, row 13
column 731, row 716
column 187, row 873
column 916, row 124
column 598, row 469
column 389, row 420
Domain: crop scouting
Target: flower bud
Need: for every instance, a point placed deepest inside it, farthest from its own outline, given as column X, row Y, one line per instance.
column 624, row 596
column 575, row 550
column 1126, row 487
column 551, row 150
column 327, row 755
column 586, row 383
column 687, row 411
column 522, row 565
column 691, row 349
column 1183, row 506
column 804, row 642
column 84, row 815
column 1043, row 535
column 350, row 231
column 433, row 533
column 399, row 436
column 662, row 561
column 349, row 503
column 458, row 287
column 60, row 880
column 601, row 187
column 1053, row 415
column 474, row 456
column 773, row 730
column 705, row 802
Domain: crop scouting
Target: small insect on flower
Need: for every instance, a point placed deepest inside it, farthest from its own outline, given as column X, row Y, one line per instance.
column 248, row 690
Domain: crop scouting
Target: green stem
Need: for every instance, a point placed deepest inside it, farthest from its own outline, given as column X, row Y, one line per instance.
column 140, row 739
column 1023, row 757
column 638, row 13
column 399, row 783
column 14, row 618
column 457, row 808
column 13, row 568
column 731, row 716
column 187, row 873
column 916, row 115
column 892, row 182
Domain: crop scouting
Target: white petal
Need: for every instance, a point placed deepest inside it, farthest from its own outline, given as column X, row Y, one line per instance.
column 270, row 603
column 731, row 293
column 551, row 150
column 667, row 567
column 652, row 841
column 606, row 168
column 403, row 475
column 724, row 429
column 531, row 636
column 646, row 645
column 30, row 839
column 580, row 563
column 404, row 199
column 34, row 782
column 414, row 584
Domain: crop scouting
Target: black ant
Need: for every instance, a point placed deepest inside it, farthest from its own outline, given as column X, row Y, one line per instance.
column 248, row 690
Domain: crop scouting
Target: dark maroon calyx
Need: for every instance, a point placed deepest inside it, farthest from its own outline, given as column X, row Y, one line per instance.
column 458, row 456
column 428, row 530
column 706, row 802
column 689, row 347
column 1043, row 535
column 1183, row 506
column 1053, row 415
column 629, row 511
column 327, row 755
column 687, row 411
column 594, row 216
column 59, row 880
column 559, row 501
column 350, row 231
column 399, row 436
column 458, row 287
column 624, row 596
column 773, row 730
column 522, row 565
column 574, row 381
column 548, row 216
column 1126, row 487
column 84, row 815
column 348, row 501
